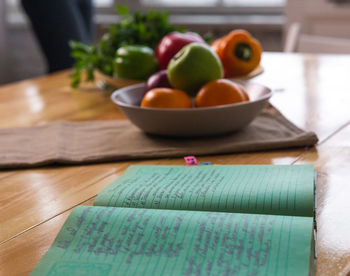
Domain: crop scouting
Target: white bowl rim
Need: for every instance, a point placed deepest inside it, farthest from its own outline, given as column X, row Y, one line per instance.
column 193, row 109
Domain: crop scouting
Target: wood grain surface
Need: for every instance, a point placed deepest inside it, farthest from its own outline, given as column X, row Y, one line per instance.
column 311, row 90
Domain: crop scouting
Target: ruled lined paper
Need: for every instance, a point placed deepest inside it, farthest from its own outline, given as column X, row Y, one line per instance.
column 284, row 190
column 132, row 241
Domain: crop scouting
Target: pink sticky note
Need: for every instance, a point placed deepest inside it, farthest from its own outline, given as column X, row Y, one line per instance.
column 190, row 160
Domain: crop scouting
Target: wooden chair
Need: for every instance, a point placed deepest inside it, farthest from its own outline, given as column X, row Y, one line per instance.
column 296, row 41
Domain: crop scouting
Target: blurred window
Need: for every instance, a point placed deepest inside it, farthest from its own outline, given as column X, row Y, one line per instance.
column 265, row 13
column 103, row 3
column 209, row 6
column 213, row 3
column 202, row 12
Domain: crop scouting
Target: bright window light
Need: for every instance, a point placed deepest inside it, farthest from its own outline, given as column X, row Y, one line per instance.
column 214, row 3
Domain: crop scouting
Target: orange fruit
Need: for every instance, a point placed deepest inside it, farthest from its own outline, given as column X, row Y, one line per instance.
column 220, row 92
column 244, row 93
column 166, row 98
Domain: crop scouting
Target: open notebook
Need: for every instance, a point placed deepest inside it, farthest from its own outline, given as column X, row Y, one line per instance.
column 192, row 220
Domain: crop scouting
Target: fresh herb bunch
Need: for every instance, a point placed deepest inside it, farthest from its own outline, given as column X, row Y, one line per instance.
column 137, row 29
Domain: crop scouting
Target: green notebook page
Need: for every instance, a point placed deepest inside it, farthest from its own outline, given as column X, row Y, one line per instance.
column 264, row 189
column 133, row 241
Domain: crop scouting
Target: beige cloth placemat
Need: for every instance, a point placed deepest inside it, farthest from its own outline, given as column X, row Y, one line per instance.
column 99, row 141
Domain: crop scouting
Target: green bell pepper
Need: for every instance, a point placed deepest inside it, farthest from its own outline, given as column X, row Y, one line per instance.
column 135, row 62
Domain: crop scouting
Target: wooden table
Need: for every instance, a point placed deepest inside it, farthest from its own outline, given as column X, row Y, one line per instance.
column 311, row 90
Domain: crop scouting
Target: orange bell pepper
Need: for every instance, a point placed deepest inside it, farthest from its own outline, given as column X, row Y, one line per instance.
column 239, row 52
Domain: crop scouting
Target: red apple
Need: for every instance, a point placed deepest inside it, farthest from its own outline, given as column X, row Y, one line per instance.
column 172, row 43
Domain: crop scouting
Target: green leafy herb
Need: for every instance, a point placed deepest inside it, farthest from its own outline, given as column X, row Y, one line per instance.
column 137, row 29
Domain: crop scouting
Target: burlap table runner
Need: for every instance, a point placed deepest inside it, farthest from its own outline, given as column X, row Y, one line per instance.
column 98, row 141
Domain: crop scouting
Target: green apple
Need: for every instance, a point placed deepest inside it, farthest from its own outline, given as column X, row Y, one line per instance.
column 193, row 66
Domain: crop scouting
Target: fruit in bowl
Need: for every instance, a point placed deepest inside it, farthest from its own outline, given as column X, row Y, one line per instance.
column 220, row 92
column 172, row 43
column 166, row 98
column 193, row 66
column 197, row 71
column 159, row 79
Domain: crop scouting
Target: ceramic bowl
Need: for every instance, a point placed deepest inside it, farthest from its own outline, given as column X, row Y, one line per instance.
column 191, row 122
